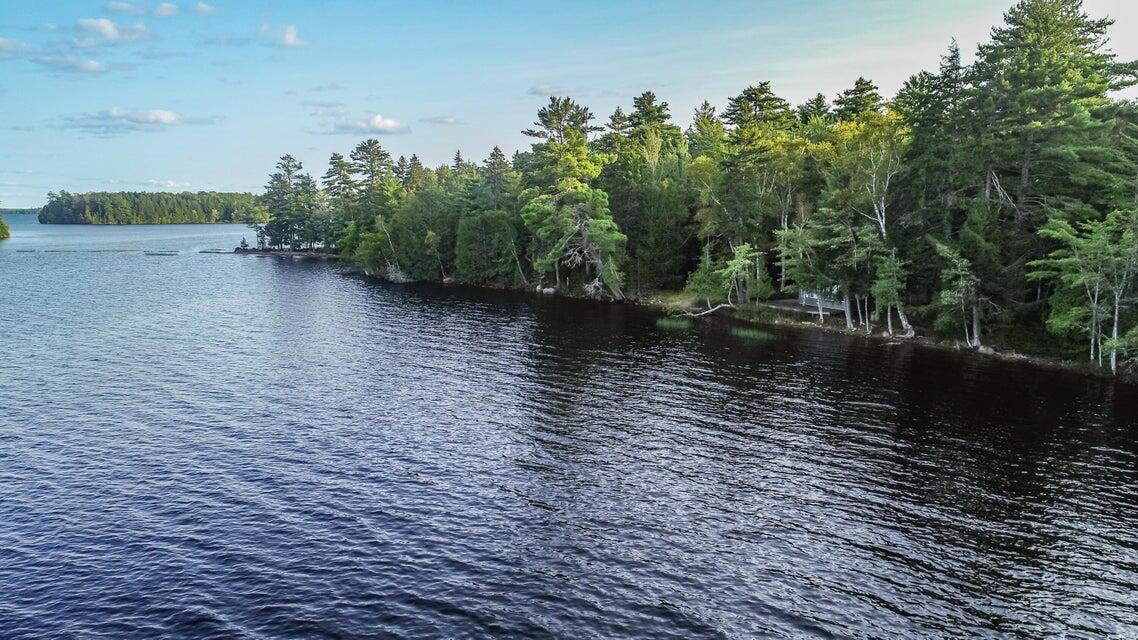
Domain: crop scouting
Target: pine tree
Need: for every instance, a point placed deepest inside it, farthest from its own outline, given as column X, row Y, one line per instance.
column 706, row 136
column 856, row 100
column 402, row 170
column 561, row 116
column 816, row 107
column 758, row 105
column 338, row 182
column 371, row 162
column 648, row 115
column 497, row 176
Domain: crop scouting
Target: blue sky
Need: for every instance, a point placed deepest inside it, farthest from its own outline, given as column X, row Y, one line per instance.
column 195, row 96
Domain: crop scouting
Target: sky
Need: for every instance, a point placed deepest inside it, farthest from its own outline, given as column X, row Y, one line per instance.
column 173, row 96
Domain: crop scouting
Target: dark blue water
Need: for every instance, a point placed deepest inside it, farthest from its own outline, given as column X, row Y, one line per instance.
column 221, row 446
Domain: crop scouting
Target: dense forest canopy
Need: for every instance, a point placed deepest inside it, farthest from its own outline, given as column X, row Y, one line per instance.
column 4, row 233
column 992, row 201
column 136, row 207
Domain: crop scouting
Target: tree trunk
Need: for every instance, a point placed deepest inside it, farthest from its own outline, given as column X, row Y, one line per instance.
column 518, row 261
column 849, row 315
column 557, row 273
column 1114, row 338
column 976, row 324
column 1094, row 331
column 781, row 268
column 909, row 333
column 964, row 318
column 821, row 316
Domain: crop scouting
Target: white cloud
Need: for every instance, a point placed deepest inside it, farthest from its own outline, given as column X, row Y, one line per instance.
column 373, row 125
column 10, row 48
column 110, row 31
column 168, row 184
column 290, row 38
column 99, row 26
column 547, row 90
column 203, row 9
column 125, row 8
column 152, row 116
column 166, row 9
column 71, row 64
column 441, row 120
column 117, row 120
column 287, row 36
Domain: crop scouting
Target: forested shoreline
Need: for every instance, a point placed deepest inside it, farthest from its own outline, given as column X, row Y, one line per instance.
column 144, row 207
column 992, row 202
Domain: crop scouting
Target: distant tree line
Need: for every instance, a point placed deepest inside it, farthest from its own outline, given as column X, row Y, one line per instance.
column 993, row 201
column 4, row 233
column 139, row 207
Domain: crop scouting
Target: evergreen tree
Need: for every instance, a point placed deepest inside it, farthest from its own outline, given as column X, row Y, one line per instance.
column 858, row 99
column 498, row 179
column 402, row 170
column 338, row 182
column 706, row 136
column 816, row 107
column 758, row 105
column 372, row 163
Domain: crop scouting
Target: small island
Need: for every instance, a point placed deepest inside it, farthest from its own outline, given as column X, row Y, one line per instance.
column 139, row 207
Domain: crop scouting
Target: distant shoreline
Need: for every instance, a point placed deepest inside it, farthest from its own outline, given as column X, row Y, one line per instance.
column 136, row 224
column 285, row 253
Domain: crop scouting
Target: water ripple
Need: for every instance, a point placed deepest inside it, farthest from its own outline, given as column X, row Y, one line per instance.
column 218, row 446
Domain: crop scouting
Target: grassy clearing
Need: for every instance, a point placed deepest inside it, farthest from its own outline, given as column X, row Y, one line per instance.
column 676, row 300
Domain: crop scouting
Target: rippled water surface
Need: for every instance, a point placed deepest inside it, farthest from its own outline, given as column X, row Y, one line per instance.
column 228, row 446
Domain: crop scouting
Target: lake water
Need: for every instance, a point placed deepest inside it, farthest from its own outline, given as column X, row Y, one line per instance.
column 223, row 446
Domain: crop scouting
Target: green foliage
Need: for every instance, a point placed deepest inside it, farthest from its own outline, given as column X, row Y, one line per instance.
column 487, row 249
column 993, row 194
column 758, row 105
column 959, row 285
column 150, row 208
column 1098, row 260
column 707, row 136
column 858, row 100
column 743, row 273
column 889, row 281
column 706, row 281
column 574, row 229
column 814, row 108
